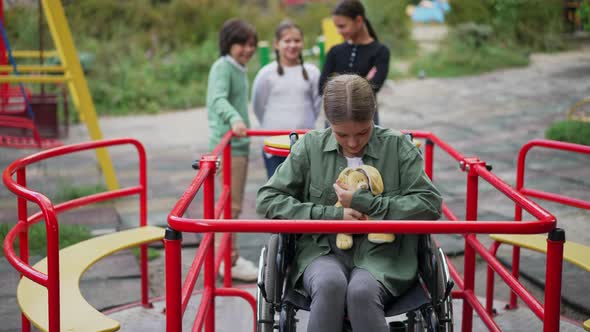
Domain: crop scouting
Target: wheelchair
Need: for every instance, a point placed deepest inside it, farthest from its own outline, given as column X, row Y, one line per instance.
column 427, row 304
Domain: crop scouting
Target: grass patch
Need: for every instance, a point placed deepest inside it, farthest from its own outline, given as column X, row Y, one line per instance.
column 152, row 253
column 68, row 192
column 569, row 131
column 68, row 235
column 459, row 58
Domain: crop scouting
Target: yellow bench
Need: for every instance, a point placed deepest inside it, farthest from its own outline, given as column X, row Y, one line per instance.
column 76, row 313
column 575, row 253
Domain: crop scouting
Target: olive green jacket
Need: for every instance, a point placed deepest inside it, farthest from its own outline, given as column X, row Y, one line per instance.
column 301, row 188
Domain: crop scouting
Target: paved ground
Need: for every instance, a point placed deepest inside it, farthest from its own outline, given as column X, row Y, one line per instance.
column 490, row 116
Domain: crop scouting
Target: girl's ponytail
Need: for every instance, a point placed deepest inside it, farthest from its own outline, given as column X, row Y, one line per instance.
column 279, row 67
column 372, row 32
column 303, row 71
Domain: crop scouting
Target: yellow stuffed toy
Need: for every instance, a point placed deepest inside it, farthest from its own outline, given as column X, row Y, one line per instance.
column 367, row 178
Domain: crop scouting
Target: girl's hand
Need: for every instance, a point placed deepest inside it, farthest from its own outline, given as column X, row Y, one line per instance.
column 371, row 73
column 344, row 195
column 239, row 128
column 351, row 214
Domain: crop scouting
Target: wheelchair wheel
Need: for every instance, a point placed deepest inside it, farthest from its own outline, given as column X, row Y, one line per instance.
column 270, row 270
column 446, row 315
column 265, row 312
column 429, row 319
column 288, row 322
column 444, row 305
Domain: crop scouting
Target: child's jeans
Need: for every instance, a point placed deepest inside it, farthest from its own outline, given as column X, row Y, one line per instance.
column 271, row 162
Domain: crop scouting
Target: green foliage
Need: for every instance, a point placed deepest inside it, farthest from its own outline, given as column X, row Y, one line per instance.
column 584, row 13
column 150, row 55
column 463, row 11
column 569, row 131
column 392, row 25
column 69, row 192
column 534, row 24
column 68, row 235
column 152, row 253
column 469, row 52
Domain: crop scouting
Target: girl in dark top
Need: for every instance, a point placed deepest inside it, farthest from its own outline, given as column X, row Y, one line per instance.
column 361, row 53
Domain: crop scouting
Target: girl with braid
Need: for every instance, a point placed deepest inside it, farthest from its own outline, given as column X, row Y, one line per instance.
column 361, row 53
column 285, row 93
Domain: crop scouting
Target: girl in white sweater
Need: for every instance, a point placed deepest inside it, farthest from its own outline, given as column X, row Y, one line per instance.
column 285, row 93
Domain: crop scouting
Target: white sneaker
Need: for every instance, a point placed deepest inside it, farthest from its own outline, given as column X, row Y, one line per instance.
column 243, row 270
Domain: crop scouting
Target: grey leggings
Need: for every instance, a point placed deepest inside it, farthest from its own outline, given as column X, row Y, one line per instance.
column 335, row 285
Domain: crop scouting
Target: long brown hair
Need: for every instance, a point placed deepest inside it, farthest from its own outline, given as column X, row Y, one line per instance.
column 349, row 97
column 354, row 9
column 285, row 25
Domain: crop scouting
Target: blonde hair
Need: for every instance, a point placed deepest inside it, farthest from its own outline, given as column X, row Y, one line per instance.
column 349, row 97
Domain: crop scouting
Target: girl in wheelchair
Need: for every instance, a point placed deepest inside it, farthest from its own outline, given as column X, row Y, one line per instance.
column 363, row 279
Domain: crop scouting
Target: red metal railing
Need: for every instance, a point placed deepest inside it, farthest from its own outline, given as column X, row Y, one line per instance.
column 49, row 211
column 561, row 199
column 176, row 297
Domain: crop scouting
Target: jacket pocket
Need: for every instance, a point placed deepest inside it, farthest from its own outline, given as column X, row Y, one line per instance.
column 314, row 192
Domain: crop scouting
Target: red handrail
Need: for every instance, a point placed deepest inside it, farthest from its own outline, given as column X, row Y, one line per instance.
column 561, row 199
column 49, row 211
column 475, row 168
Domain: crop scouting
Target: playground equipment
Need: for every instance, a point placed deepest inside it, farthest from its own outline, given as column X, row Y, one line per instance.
column 63, row 270
column 575, row 253
column 178, row 293
column 70, row 73
column 49, row 294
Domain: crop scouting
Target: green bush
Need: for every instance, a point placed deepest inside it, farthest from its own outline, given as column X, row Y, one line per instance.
column 584, row 14
column 151, row 55
column 569, row 131
column 67, row 192
column 534, row 24
column 392, row 25
column 68, row 235
column 469, row 50
column 463, row 11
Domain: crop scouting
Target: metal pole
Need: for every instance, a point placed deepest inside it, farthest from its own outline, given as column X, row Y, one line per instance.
column 429, row 158
column 23, row 238
column 227, row 212
column 469, row 259
column 209, row 162
column 263, row 52
column 322, row 47
column 555, row 242
column 172, row 246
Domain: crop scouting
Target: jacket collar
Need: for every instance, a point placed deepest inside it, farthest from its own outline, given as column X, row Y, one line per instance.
column 233, row 61
column 371, row 149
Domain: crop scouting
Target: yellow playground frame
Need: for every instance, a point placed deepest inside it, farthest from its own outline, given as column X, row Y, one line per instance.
column 69, row 72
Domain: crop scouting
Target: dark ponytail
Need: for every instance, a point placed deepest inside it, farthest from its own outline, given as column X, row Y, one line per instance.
column 303, row 71
column 279, row 67
column 372, row 32
column 354, row 9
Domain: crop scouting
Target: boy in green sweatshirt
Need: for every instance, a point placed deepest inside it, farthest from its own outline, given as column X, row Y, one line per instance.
column 227, row 109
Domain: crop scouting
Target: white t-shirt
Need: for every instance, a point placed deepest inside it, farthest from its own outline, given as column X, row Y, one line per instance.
column 286, row 101
column 354, row 162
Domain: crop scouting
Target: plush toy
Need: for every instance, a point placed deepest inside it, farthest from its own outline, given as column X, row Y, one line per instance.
column 367, row 178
